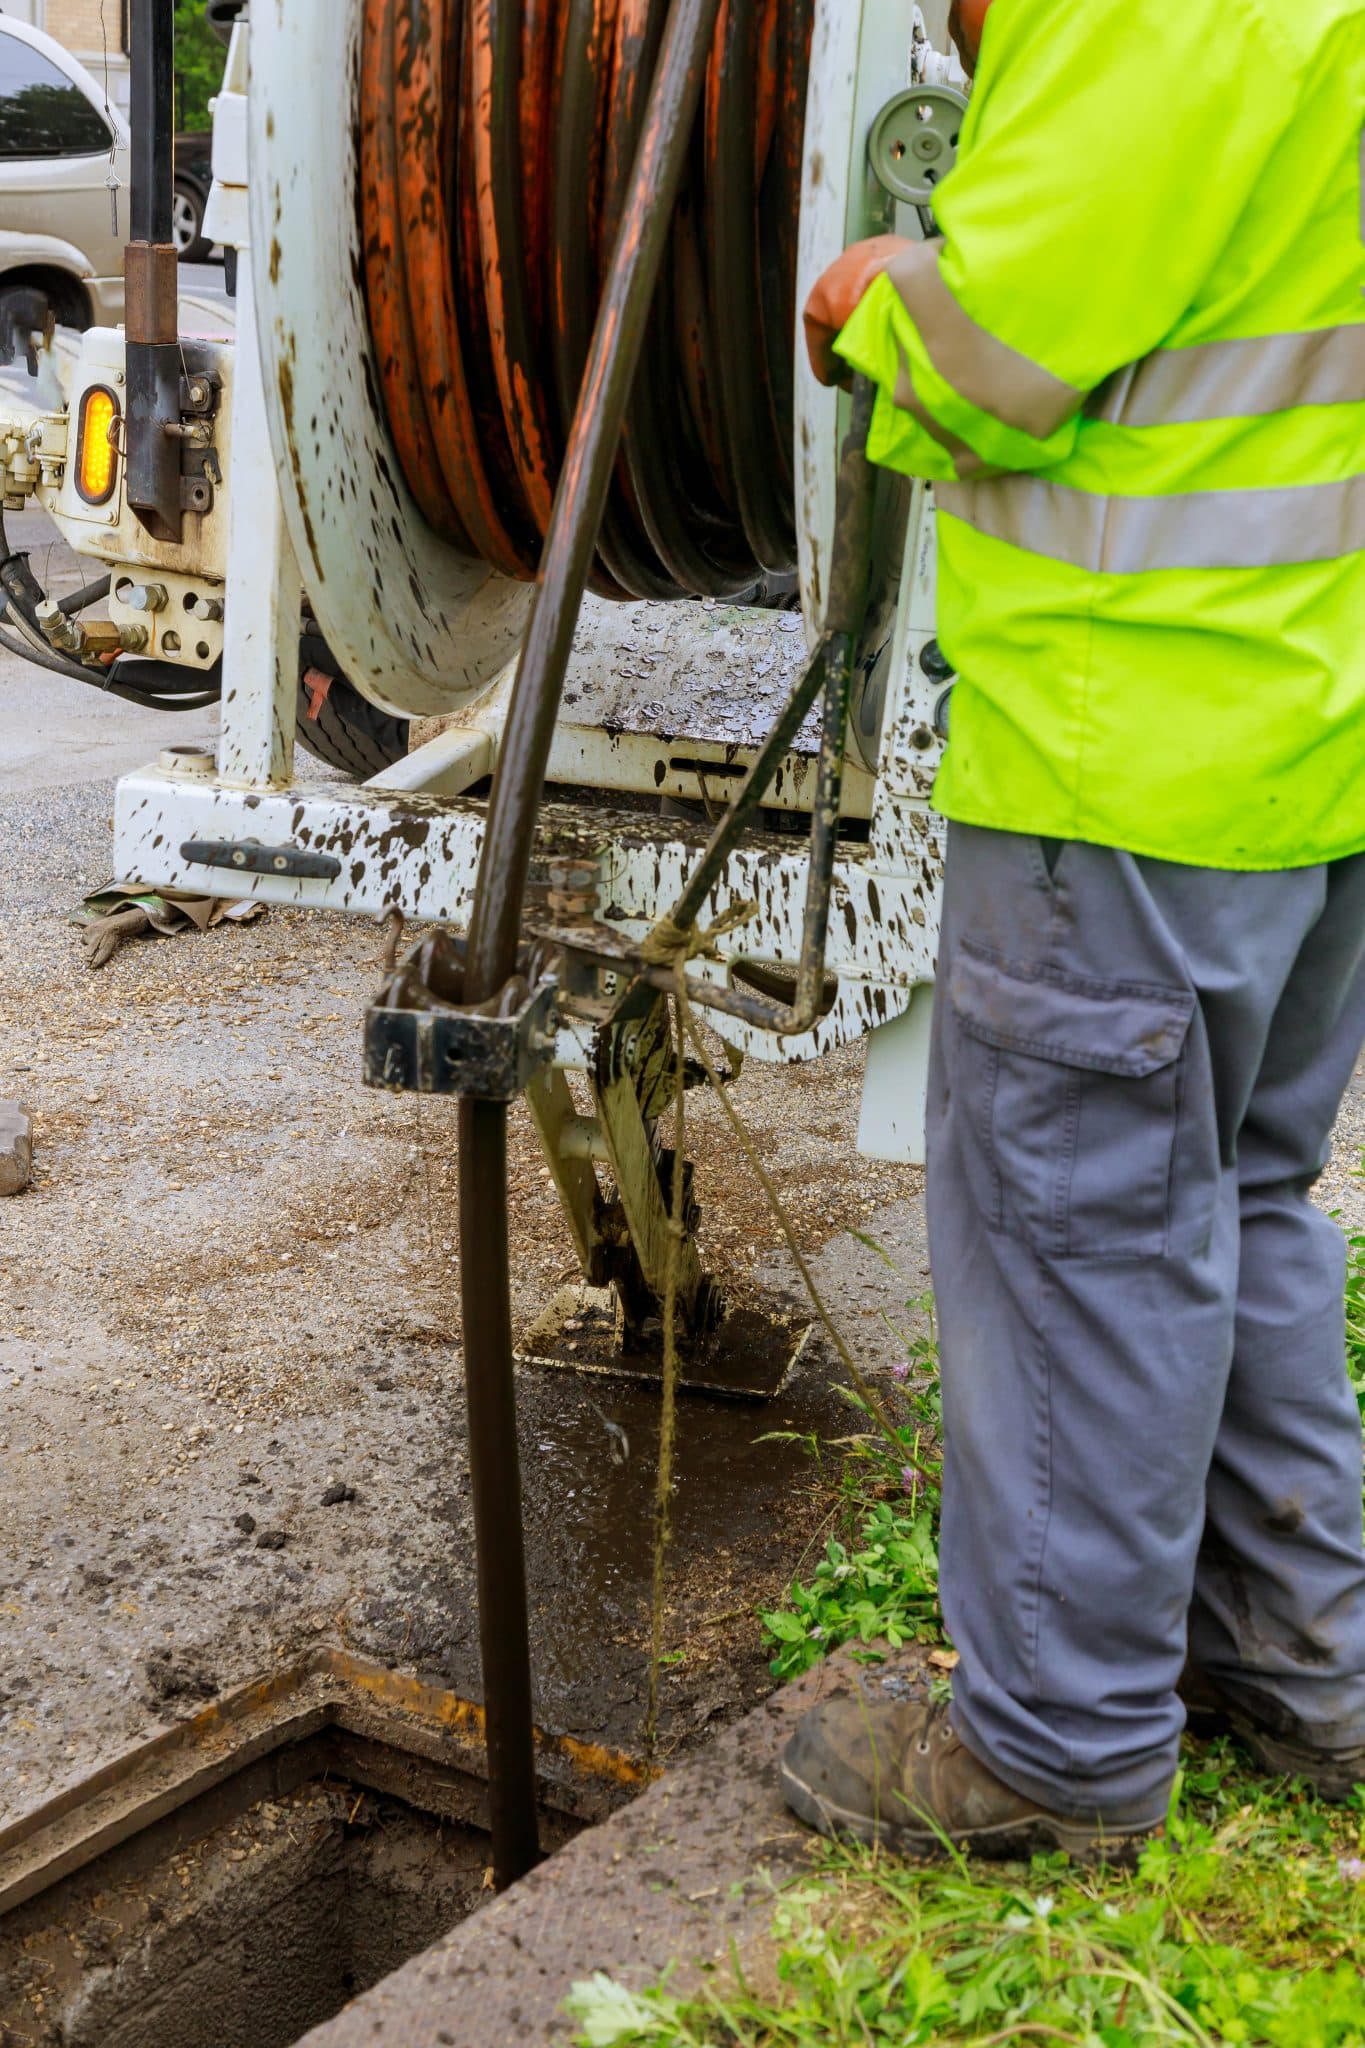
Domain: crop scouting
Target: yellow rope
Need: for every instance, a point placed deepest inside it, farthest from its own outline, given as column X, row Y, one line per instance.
column 868, row 1393
column 677, row 947
column 669, row 945
column 663, row 1487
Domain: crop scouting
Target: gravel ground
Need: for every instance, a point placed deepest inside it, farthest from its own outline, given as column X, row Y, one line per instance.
column 231, row 1291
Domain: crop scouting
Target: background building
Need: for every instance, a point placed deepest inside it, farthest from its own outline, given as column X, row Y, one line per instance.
column 89, row 29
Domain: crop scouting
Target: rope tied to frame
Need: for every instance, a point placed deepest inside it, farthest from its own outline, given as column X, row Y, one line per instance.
column 673, row 945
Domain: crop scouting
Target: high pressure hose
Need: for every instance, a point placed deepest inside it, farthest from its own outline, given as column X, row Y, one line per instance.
column 498, row 140
column 580, row 250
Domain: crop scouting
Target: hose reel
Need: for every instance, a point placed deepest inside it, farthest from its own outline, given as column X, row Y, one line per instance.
column 484, row 261
column 420, row 371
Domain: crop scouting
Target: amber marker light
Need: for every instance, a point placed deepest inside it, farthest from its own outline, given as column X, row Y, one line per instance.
column 96, row 455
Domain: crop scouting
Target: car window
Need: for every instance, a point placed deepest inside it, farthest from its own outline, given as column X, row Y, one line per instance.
column 41, row 112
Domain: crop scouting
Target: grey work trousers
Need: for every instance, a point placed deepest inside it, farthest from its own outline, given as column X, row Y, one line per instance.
column 1150, row 1439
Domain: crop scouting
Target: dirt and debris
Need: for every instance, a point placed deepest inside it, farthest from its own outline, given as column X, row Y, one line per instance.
column 249, row 1931
column 232, row 1290
column 174, row 1678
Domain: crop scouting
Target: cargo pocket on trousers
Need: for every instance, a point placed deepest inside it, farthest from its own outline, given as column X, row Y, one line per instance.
column 1070, row 1091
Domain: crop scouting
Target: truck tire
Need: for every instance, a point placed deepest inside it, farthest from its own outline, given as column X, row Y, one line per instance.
column 347, row 731
column 187, row 222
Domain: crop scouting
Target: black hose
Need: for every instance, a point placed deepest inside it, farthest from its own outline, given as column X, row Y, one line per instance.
column 21, row 586
column 91, row 593
column 52, row 660
column 104, row 680
column 162, row 679
column 221, row 16
column 199, row 703
column 158, row 685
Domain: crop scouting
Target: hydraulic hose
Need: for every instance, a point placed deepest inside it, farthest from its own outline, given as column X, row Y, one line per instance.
column 576, row 517
column 486, row 258
column 89, row 593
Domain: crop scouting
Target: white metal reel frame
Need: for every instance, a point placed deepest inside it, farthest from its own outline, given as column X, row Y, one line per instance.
column 405, row 849
column 420, row 855
column 401, row 848
column 861, row 56
column 418, row 628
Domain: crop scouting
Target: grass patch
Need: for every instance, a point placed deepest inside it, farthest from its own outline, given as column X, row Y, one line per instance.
column 1355, row 1312
column 1245, row 1925
column 877, row 1583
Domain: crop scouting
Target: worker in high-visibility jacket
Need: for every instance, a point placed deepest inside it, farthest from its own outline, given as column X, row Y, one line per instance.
column 1134, row 367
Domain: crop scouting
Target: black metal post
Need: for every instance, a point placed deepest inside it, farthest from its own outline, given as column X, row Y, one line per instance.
column 152, row 314
column 151, row 116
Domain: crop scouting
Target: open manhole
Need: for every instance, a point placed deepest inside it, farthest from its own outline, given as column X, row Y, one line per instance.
column 234, row 1882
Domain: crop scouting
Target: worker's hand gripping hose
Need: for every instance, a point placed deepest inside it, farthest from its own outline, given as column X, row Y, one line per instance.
column 495, row 927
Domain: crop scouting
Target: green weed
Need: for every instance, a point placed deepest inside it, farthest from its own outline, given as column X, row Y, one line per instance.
column 882, row 1590
column 1355, row 1313
column 877, row 1583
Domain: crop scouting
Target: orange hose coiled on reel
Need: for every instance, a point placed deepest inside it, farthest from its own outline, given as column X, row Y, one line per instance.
column 497, row 140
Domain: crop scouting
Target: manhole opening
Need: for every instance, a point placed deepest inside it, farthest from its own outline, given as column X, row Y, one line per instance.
column 257, row 1906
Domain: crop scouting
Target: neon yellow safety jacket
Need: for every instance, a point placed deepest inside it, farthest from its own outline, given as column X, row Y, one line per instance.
column 1135, row 364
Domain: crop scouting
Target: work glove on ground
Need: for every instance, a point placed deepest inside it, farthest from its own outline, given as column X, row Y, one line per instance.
column 121, row 911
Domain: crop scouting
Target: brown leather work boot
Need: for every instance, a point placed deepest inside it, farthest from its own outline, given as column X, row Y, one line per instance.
column 887, row 1768
column 1273, row 1738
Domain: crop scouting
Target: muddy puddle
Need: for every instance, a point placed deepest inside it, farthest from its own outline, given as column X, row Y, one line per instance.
column 745, row 1497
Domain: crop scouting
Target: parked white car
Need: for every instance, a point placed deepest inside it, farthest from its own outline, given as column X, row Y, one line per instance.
column 58, row 140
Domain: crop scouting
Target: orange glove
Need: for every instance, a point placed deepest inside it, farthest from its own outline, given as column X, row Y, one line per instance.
column 837, row 298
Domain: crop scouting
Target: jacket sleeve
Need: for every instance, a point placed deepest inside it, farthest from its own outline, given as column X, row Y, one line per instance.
column 1107, row 154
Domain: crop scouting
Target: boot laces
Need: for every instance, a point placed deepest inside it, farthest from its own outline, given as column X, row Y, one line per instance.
column 936, row 1724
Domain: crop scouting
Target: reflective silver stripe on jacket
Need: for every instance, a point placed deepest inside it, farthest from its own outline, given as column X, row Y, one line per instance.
column 1229, row 380
column 1131, row 536
column 988, row 373
column 965, row 460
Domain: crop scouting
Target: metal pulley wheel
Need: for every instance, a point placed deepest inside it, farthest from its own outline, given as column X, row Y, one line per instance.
column 913, row 143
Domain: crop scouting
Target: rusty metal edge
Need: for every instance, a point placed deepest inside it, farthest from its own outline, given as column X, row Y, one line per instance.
column 327, row 1687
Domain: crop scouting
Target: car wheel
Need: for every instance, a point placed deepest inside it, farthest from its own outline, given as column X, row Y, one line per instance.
column 187, row 223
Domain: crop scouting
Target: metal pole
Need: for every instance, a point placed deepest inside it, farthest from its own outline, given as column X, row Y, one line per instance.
column 832, row 666
column 152, row 314
column 495, row 926
column 151, row 118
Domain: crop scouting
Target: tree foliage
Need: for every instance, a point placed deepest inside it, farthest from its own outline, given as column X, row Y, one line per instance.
column 198, row 65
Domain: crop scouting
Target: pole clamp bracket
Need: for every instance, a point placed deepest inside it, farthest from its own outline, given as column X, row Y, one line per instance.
column 421, row 1039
